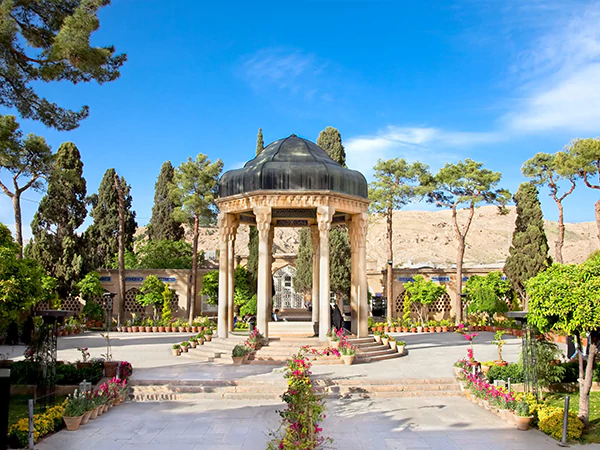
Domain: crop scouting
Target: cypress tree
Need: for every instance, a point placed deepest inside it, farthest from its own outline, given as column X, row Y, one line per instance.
column 253, row 232
column 304, row 263
column 529, row 249
column 101, row 235
column 330, row 140
column 162, row 225
column 339, row 263
column 55, row 244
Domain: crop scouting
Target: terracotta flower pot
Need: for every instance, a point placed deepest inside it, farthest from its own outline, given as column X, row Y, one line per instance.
column 94, row 413
column 444, row 329
column 73, row 423
column 184, row 349
column 83, row 365
column 380, row 328
column 432, row 329
column 400, row 349
column 148, row 329
column 200, row 341
column 155, row 329
column 100, row 410
column 237, row 360
column 129, row 329
column 438, row 329
column 386, row 329
column 393, row 345
column 193, row 344
column 348, row 359
column 117, row 401
column 105, row 408
column 522, row 422
column 194, row 329
column 86, row 417
column 181, row 329
column 385, row 341
column 134, row 329
column 167, row 329
column 377, row 338
column 208, row 337
column 110, row 368
column 188, row 329
column 161, row 329
column 176, row 351
column 423, row 329
column 413, row 330
column 405, row 329
column 501, row 363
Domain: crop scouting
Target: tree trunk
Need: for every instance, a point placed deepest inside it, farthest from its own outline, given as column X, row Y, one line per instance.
column 459, row 268
column 585, row 383
column 16, row 201
column 192, row 299
column 558, row 244
column 597, row 210
column 390, row 265
column 121, row 250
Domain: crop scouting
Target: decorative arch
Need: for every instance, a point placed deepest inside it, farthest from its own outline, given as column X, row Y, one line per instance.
column 285, row 296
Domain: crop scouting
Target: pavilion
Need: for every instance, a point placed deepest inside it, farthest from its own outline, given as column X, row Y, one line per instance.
column 293, row 183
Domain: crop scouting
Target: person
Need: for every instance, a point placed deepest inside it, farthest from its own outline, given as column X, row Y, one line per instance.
column 274, row 316
column 251, row 319
column 337, row 320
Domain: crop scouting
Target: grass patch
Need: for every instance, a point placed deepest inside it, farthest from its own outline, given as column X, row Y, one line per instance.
column 19, row 404
column 591, row 435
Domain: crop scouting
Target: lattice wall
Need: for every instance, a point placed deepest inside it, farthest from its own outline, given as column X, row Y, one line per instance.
column 131, row 304
column 72, row 304
column 442, row 305
column 285, row 295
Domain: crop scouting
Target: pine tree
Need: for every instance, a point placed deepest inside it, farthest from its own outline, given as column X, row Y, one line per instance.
column 529, row 249
column 195, row 188
column 252, row 264
column 162, row 225
column 330, row 140
column 55, row 244
column 28, row 161
column 101, row 235
column 304, row 263
column 49, row 40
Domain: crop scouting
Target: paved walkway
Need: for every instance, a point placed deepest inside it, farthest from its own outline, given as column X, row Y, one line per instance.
column 365, row 424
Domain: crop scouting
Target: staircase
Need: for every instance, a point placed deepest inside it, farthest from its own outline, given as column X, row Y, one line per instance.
column 218, row 350
column 279, row 350
column 300, row 329
column 255, row 389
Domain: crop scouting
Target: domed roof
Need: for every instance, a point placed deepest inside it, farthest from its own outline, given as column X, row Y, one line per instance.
column 293, row 164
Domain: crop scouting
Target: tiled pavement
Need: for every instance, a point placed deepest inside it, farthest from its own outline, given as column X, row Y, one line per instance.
column 414, row 423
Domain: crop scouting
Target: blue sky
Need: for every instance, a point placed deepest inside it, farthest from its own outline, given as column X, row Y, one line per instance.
column 435, row 81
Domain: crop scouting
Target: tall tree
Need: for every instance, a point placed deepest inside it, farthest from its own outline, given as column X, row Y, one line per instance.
column 549, row 170
column 304, row 263
column 397, row 184
column 194, row 190
column 55, row 244
column 253, row 232
column 566, row 299
column 465, row 184
column 260, row 143
column 584, row 160
column 102, row 235
column 340, row 263
column 49, row 40
column 528, row 254
column 28, row 162
column 120, row 186
column 330, row 140
column 162, row 225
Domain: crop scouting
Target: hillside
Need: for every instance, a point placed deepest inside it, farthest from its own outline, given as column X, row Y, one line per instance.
column 428, row 237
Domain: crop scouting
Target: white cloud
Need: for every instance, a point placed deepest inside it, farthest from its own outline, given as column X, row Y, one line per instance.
column 291, row 70
column 561, row 75
column 428, row 145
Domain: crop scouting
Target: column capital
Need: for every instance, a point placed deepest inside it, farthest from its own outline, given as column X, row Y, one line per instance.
column 357, row 230
column 324, row 217
column 228, row 225
column 263, row 220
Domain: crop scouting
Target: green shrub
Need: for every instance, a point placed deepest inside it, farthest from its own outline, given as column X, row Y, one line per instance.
column 239, row 350
column 93, row 311
column 551, row 422
column 512, row 371
column 48, row 422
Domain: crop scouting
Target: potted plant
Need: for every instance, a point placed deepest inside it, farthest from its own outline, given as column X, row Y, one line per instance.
column 432, row 324
column 110, row 366
column 154, row 326
column 184, row 346
column 89, row 407
column 200, row 338
column 499, row 342
column 74, row 411
column 521, row 416
column 486, row 366
column 377, row 336
column 348, row 353
column 393, row 343
column 85, row 356
column 193, row 342
column 181, row 326
column 400, row 345
column 335, row 337
column 444, row 324
column 208, row 334
column 385, row 339
column 176, row 349
column 238, row 353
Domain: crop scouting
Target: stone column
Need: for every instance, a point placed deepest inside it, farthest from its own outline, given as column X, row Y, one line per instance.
column 233, row 226
column 314, row 235
column 354, row 234
column 263, row 224
column 270, row 264
column 361, row 272
column 324, row 217
column 222, row 325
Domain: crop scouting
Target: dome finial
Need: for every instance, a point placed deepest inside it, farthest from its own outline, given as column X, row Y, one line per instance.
column 293, row 135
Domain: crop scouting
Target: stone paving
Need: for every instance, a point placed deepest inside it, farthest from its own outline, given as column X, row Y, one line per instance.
column 357, row 423
column 416, row 423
